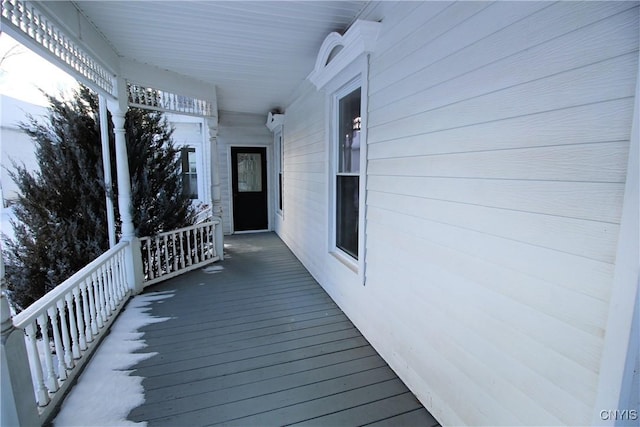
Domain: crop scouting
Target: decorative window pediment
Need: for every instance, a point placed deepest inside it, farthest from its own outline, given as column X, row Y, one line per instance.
column 338, row 51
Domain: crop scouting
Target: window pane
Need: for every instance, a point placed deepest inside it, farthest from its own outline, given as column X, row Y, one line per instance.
column 280, row 191
column 347, row 207
column 193, row 186
column 192, row 162
column 249, row 172
column 349, row 133
column 189, row 172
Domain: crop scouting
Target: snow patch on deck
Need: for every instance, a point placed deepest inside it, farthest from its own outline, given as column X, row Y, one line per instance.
column 213, row 269
column 106, row 391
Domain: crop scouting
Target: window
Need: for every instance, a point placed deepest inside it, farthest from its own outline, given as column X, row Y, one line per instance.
column 342, row 72
column 279, row 156
column 347, row 182
column 189, row 172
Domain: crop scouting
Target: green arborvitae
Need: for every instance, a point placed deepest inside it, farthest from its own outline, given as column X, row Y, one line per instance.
column 156, row 184
column 61, row 211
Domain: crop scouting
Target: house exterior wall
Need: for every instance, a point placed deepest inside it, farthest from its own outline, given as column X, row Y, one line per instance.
column 497, row 154
column 238, row 129
column 15, row 144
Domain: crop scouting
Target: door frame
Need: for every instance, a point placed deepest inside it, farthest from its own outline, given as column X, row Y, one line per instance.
column 268, row 159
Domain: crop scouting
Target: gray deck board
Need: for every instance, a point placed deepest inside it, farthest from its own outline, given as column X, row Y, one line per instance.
column 259, row 343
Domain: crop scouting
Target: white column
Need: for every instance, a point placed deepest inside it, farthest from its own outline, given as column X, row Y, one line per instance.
column 125, row 206
column 18, row 405
column 124, row 178
column 216, row 198
column 106, row 164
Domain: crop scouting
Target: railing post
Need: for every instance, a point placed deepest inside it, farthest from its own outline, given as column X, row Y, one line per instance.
column 219, row 238
column 17, row 405
column 136, row 265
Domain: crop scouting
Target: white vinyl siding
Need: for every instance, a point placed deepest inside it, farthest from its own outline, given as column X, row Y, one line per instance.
column 497, row 161
column 305, row 168
column 498, row 137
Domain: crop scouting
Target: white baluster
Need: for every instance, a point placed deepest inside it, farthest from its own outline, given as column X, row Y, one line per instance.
column 101, row 300
column 117, row 277
column 202, row 244
column 149, row 259
column 157, row 255
column 86, row 310
column 108, row 289
column 117, row 291
column 7, row 10
column 175, row 252
column 182, row 254
column 22, row 18
column 73, row 327
column 189, row 254
column 66, row 341
column 50, row 374
column 79, row 309
column 47, row 36
column 210, row 238
column 96, row 321
column 36, row 366
column 166, row 254
column 57, row 342
column 37, row 35
column 123, row 272
column 205, row 241
column 196, row 246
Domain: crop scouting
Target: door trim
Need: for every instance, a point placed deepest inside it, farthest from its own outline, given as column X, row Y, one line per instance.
column 268, row 148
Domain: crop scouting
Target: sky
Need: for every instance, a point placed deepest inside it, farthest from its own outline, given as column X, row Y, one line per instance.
column 21, row 74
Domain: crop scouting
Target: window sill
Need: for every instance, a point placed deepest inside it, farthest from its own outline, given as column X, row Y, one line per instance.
column 349, row 262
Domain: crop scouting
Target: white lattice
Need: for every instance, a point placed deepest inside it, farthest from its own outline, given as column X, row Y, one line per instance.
column 146, row 97
column 27, row 19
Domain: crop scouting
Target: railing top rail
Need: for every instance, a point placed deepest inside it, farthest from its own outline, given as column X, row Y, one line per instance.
column 48, row 300
column 214, row 221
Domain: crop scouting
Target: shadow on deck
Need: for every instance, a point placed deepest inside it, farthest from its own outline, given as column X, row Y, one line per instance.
column 260, row 343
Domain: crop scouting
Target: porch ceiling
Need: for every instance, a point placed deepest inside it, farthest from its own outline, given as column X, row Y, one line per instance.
column 256, row 53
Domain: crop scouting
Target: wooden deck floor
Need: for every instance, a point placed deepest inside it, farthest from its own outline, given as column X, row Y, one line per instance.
column 261, row 344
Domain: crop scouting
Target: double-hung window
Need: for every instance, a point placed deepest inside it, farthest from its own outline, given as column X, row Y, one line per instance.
column 341, row 71
column 189, row 172
column 348, row 122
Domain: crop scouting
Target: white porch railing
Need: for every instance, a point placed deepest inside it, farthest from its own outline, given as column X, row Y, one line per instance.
column 64, row 327
column 175, row 252
column 204, row 215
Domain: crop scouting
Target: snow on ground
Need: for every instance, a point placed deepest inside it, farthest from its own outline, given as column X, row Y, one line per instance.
column 213, row 269
column 106, row 392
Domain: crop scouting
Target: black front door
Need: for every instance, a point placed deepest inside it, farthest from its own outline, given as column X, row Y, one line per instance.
column 249, row 182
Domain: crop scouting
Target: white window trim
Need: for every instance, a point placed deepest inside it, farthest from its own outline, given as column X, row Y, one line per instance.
column 338, row 75
column 275, row 123
column 279, row 161
column 359, row 81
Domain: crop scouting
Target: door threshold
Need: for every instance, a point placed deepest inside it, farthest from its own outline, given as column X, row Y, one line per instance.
column 266, row 230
